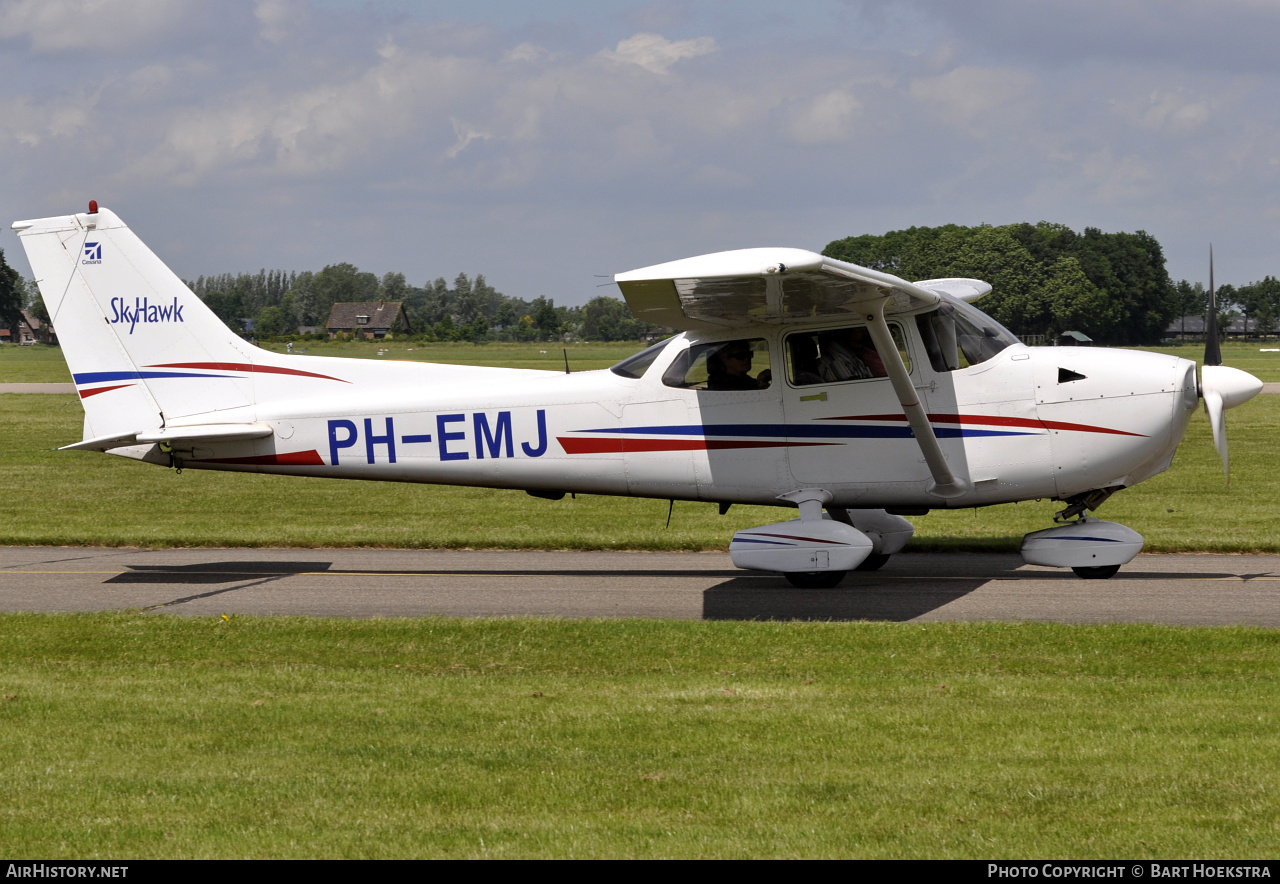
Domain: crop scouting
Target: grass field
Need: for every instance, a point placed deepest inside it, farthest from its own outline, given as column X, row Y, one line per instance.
column 1187, row 508
column 126, row 735
column 41, row 364
column 145, row 736
column 1181, row 510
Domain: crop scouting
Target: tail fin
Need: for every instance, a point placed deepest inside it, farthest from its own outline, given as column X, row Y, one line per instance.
column 142, row 348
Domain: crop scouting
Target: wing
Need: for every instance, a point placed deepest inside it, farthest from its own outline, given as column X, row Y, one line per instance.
column 769, row 286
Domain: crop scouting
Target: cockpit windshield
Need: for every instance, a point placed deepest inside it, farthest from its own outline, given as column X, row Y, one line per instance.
column 957, row 335
column 635, row 366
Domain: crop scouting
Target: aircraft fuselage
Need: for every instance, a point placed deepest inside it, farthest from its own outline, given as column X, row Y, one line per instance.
column 1027, row 423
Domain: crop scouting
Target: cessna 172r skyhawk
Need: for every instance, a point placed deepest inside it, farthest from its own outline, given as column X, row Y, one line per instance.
column 798, row 380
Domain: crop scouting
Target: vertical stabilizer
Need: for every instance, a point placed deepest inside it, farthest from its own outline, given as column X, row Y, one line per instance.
column 142, row 348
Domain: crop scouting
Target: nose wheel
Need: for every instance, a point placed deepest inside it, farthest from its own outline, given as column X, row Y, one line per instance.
column 1096, row 572
column 814, row 579
column 873, row 562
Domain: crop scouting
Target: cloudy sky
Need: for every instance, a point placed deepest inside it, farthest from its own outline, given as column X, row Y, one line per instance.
column 546, row 144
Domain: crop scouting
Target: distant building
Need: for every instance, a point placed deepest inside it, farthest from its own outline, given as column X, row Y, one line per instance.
column 29, row 330
column 369, row 319
column 1192, row 328
column 1073, row 339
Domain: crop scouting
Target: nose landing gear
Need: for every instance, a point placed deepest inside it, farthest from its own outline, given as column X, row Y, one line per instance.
column 1092, row 548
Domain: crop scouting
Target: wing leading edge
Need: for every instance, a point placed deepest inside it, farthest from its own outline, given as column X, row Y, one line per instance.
column 770, row 286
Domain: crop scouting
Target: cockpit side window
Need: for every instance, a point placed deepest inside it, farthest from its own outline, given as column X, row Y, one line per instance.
column 635, row 366
column 838, row 354
column 957, row 335
column 726, row 365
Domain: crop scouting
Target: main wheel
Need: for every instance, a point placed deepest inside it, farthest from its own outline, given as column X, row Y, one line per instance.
column 873, row 562
column 814, row 579
column 1096, row 572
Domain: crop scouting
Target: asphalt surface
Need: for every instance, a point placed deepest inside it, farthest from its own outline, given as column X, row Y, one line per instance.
column 37, row 388
column 1190, row 590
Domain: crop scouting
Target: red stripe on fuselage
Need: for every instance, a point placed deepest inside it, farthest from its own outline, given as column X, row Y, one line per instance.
column 85, row 394
column 291, row 459
column 621, row 446
column 249, row 367
column 982, row 420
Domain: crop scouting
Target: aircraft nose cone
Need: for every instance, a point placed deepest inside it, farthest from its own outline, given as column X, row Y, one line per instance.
column 1234, row 386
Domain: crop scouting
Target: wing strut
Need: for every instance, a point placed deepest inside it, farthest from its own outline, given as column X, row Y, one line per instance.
column 945, row 484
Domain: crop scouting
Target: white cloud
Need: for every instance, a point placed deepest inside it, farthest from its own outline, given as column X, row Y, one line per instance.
column 56, row 25
column 826, row 119
column 527, row 53
column 655, row 53
column 465, row 135
column 1172, row 111
column 969, row 97
column 276, row 18
column 782, row 136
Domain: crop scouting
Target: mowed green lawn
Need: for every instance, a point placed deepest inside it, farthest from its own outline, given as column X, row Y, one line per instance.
column 82, row 498
column 40, row 364
column 152, row 736
column 145, row 736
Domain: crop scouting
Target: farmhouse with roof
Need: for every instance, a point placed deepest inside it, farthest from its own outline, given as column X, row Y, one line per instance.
column 369, row 319
column 28, row 330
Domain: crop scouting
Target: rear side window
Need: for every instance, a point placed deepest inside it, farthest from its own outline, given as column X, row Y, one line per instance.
column 835, row 355
column 635, row 366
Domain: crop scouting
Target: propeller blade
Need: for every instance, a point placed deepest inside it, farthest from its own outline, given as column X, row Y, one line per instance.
column 1222, row 388
column 1212, row 352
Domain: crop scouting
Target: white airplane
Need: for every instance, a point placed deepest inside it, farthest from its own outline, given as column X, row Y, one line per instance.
column 797, row 381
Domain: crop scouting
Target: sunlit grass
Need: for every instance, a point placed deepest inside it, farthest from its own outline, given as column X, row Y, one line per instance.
column 153, row 736
column 36, row 364
column 80, row 498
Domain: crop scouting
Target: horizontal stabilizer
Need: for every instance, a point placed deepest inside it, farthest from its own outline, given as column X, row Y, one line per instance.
column 103, row 443
column 196, row 433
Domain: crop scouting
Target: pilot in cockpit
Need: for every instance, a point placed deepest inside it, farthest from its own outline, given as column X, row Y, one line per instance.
column 729, row 368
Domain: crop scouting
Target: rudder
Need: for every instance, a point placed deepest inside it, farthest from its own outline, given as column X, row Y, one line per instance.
column 142, row 348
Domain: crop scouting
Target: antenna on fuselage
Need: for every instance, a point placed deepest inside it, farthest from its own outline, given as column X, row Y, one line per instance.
column 565, row 350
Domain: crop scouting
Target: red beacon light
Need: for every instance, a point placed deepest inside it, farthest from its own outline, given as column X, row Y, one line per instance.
column 93, row 207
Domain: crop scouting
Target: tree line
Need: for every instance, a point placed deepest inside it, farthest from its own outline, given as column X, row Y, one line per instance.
column 280, row 303
column 1047, row 279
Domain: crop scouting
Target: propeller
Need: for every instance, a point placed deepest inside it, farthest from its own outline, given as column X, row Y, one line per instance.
column 1221, row 387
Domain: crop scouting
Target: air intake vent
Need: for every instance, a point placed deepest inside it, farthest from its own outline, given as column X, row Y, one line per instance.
column 1066, row 376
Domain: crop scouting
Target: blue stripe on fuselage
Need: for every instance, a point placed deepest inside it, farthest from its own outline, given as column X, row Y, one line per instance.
column 802, row 431
column 97, row 377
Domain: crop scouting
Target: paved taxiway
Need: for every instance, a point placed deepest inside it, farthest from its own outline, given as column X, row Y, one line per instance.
column 1182, row 590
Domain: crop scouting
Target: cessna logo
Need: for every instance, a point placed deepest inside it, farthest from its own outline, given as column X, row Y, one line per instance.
column 92, row 253
column 143, row 311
